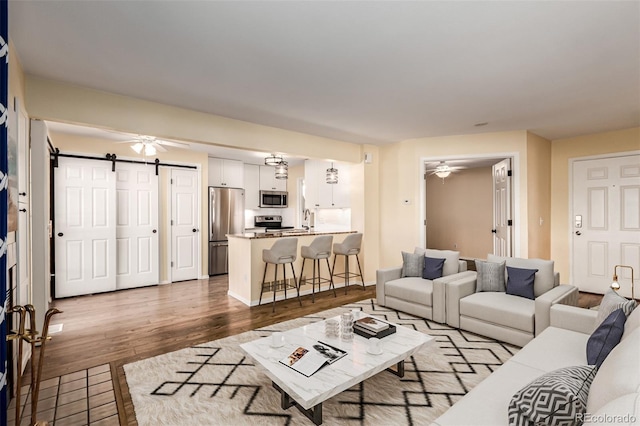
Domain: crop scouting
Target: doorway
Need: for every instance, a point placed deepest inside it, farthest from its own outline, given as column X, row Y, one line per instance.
column 605, row 220
column 470, row 209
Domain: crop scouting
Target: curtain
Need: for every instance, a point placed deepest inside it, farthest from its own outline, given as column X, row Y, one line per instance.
column 4, row 182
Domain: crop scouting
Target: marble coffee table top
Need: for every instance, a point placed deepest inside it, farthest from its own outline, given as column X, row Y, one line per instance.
column 350, row 370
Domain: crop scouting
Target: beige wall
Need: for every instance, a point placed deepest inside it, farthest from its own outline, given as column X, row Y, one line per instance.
column 539, row 196
column 56, row 101
column 401, row 179
column 562, row 150
column 460, row 212
column 99, row 147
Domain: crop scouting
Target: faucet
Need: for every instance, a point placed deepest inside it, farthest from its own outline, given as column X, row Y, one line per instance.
column 305, row 221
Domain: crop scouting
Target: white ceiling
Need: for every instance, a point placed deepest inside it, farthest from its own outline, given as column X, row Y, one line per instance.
column 365, row 72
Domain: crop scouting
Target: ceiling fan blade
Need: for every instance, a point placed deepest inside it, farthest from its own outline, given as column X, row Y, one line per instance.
column 159, row 147
column 174, row 144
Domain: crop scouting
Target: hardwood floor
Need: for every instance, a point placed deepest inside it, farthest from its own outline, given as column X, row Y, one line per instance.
column 120, row 327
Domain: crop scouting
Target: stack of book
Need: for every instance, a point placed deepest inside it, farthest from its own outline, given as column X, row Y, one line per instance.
column 372, row 327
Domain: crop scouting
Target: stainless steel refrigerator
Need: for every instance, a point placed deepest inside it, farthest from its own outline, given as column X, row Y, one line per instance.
column 226, row 216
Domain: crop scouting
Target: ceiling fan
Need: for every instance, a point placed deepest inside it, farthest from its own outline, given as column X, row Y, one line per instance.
column 442, row 169
column 149, row 145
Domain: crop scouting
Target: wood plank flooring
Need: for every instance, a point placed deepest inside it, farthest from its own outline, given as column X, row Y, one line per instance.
column 121, row 327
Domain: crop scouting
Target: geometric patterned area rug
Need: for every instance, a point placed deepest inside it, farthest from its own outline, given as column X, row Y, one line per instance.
column 216, row 383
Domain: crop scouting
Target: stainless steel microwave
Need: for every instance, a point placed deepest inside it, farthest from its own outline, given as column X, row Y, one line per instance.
column 275, row 199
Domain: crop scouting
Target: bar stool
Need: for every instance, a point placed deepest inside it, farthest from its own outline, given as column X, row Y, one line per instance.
column 320, row 248
column 349, row 247
column 283, row 251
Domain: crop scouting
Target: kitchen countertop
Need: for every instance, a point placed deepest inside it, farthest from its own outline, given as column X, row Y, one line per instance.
column 287, row 233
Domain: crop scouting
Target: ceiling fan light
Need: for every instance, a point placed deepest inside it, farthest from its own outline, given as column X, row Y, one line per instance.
column 443, row 173
column 137, row 147
column 149, row 150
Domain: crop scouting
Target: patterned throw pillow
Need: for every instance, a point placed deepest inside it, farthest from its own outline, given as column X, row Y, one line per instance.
column 412, row 264
column 612, row 301
column 555, row 398
column 490, row 276
column 520, row 282
column 432, row 268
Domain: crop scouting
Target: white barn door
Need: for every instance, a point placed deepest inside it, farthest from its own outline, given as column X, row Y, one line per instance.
column 185, row 232
column 605, row 222
column 85, row 221
column 137, row 226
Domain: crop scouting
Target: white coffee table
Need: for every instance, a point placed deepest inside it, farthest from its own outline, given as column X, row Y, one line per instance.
column 308, row 393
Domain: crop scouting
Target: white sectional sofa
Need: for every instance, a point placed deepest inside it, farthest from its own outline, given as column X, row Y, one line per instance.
column 416, row 295
column 614, row 396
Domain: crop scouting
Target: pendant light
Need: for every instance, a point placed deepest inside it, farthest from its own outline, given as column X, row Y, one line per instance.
column 332, row 175
column 273, row 160
column 282, row 170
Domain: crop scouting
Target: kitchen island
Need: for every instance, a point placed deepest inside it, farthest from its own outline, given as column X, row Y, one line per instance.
column 246, row 267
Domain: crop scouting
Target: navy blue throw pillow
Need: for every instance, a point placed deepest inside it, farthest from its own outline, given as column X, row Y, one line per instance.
column 520, row 282
column 605, row 337
column 432, row 268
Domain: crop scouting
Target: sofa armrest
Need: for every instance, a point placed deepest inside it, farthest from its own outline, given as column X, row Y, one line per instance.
column 439, row 302
column 464, row 286
column 573, row 318
column 382, row 276
column 556, row 279
column 462, row 265
column 562, row 294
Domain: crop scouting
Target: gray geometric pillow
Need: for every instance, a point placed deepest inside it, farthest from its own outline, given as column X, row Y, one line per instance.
column 612, row 301
column 412, row 264
column 490, row 276
column 555, row 398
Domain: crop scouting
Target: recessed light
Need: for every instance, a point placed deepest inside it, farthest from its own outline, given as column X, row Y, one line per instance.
column 481, row 124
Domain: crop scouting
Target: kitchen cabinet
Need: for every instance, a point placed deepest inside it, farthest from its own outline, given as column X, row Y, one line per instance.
column 268, row 181
column 321, row 195
column 251, row 186
column 226, row 173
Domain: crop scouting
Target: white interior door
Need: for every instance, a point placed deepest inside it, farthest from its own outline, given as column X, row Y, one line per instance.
column 606, row 222
column 137, row 226
column 85, row 221
column 185, row 232
column 23, row 296
column 502, row 238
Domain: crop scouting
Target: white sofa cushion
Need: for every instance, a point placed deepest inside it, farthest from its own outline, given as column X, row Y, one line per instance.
column 544, row 280
column 633, row 322
column 568, row 349
column 500, row 308
column 618, row 375
column 626, row 407
column 451, row 259
column 414, row 289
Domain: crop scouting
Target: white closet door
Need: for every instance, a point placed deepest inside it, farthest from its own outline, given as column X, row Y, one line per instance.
column 185, row 233
column 502, row 208
column 137, row 226
column 85, row 220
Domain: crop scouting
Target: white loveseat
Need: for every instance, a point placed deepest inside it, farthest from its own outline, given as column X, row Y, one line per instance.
column 502, row 316
column 614, row 396
column 416, row 295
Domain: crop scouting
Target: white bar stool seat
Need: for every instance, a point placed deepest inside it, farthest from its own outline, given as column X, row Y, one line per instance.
column 283, row 251
column 349, row 247
column 320, row 248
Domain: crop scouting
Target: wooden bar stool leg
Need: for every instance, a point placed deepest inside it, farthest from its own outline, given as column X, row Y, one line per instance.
column 297, row 284
column 360, row 269
column 331, row 284
column 264, row 277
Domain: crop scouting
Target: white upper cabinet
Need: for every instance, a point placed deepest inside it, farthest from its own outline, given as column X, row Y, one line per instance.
column 322, row 195
column 268, row 181
column 227, row 173
column 251, row 186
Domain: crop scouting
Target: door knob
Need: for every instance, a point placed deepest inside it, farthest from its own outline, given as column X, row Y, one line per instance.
column 494, row 231
column 154, row 231
column 578, row 233
column 194, row 230
column 60, row 234
column 23, row 210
